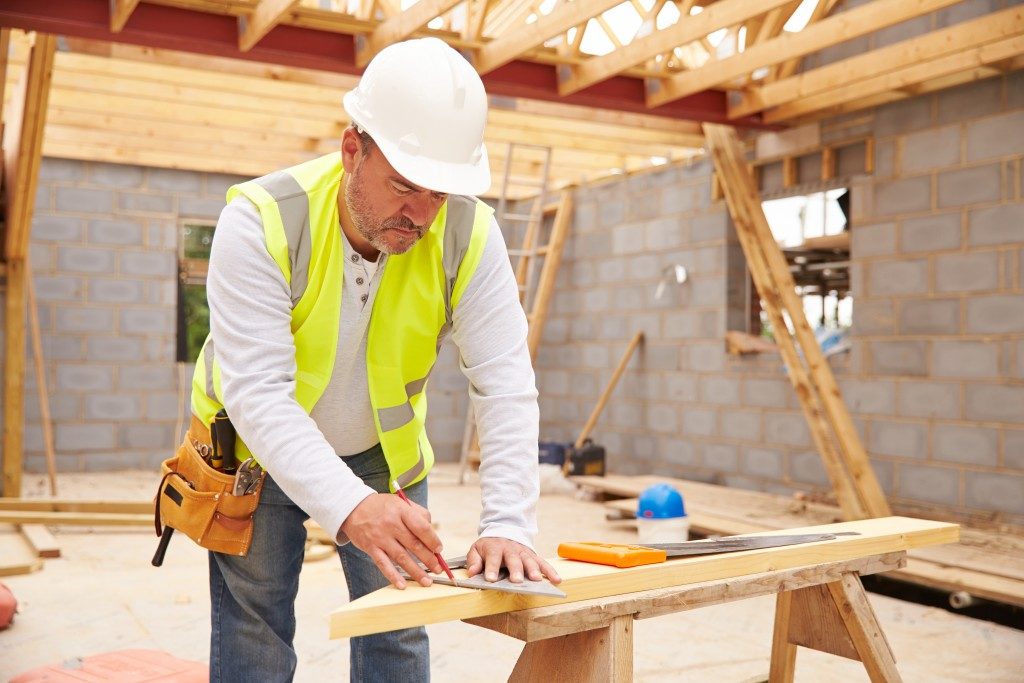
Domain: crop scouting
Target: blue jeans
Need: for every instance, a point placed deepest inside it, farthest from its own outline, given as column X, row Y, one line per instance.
column 253, row 598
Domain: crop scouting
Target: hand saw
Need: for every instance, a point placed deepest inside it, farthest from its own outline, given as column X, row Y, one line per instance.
column 622, row 555
column 543, row 588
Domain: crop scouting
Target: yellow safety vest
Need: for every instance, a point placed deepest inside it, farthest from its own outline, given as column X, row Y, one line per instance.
column 412, row 311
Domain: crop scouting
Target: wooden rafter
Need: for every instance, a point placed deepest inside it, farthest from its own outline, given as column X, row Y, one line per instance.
column 120, row 10
column 476, row 14
column 908, row 53
column 836, row 29
column 787, row 68
column 266, row 15
column 517, row 41
column 507, row 16
column 687, row 29
column 400, row 27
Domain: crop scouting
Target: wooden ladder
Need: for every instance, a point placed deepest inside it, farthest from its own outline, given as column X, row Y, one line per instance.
column 846, row 462
column 535, row 291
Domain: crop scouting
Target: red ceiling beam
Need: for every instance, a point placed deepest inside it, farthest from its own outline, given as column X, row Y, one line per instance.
column 213, row 34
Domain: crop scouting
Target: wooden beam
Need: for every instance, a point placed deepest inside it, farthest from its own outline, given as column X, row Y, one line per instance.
column 120, row 10
column 399, row 27
column 41, row 540
column 687, row 29
column 786, row 69
column 266, row 15
column 388, row 609
column 549, row 271
column 988, row 28
column 836, row 29
column 943, row 66
column 76, row 518
column 68, row 505
column 524, row 38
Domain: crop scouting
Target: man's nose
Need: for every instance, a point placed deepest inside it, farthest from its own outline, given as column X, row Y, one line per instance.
column 418, row 208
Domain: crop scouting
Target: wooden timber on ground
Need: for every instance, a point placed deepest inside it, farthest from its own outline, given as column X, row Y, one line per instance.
column 985, row 563
column 390, row 609
column 17, row 555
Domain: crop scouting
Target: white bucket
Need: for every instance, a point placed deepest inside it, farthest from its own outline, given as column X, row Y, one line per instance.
column 663, row 530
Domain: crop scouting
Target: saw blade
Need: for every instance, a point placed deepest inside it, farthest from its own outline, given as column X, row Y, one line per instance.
column 541, row 588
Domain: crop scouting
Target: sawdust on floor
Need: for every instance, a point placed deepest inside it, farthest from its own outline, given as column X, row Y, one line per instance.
column 104, row 595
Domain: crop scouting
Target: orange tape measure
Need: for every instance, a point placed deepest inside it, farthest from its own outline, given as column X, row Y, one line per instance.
column 612, row 554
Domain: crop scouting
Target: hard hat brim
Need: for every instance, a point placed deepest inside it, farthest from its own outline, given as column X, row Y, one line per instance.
column 439, row 176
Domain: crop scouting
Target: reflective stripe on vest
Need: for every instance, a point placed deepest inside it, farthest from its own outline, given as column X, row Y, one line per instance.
column 418, row 292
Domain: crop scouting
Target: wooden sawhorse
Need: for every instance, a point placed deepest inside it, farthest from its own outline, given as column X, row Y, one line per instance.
column 822, row 606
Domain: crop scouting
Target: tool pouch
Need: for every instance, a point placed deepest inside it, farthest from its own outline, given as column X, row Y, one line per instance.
column 196, row 499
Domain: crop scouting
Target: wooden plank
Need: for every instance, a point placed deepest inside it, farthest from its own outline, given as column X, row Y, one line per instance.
column 882, row 60
column 599, row 655
column 399, row 27
column 265, row 16
column 16, row 556
column 844, row 26
column 44, row 396
column 76, row 518
column 556, row 620
column 41, row 540
column 515, row 42
column 783, row 657
column 953, row 579
column 68, row 505
column 745, row 207
column 609, row 388
column 14, row 376
column 120, row 11
column 687, row 29
column 864, row 630
column 974, row 57
column 389, row 609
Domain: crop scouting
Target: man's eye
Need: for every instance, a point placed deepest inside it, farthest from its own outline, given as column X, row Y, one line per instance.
column 401, row 189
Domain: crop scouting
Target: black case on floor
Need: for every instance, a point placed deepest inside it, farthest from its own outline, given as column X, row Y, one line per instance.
column 589, row 459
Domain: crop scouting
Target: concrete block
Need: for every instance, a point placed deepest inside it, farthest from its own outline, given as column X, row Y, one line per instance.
column 929, row 399
column 680, row 452
column 59, row 288
column 768, row 393
column 995, row 136
column 962, row 11
column 933, row 148
column 659, row 357
column 677, row 199
column 63, row 406
column 875, row 396
column 683, row 325
column 217, row 184
column 84, row 200
column 204, row 208
column 146, row 435
column 52, row 228
column 1013, row 448
column 145, row 377
column 903, row 116
column 933, row 484
column 899, row 357
column 763, row 462
column 90, row 378
column 970, row 102
column 705, row 357
column 582, row 273
column 53, row 169
column 1014, row 89
column 627, row 239
column 85, row 260
column 625, row 414
column 905, row 439
column 888, row 278
column 995, row 403
column 42, row 199
column 807, row 468
column 1003, row 224
column 629, row 298
column 146, row 321
column 885, row 158
column 719, row 390
column 995, row 314
column 611, row 212
column 871, row 317
column 970, row 272
column 118, row 349
column 741, row 424
column 75, row 438
column 642, row 206
column 116, row 291
column 968, row 359
column 112, row 407
column 663, row 418
column 611, row 270
column 721, row 457
column 81, row 319
column 970, row 445
column 909, row 195
column 174, row 180
column 970, row 186
column 873, row 240
column 930, row 233
column 991, row 491
column 62, row 347
column 930, row 316
column 160, row 264
column 644, row 267
column 664, row 233
column 698, row 421
column 596, row 300
column 786, row 428
column 115, row 175
column 145, row 203
column 680, row 387
column 706, row 292
column 708, row 227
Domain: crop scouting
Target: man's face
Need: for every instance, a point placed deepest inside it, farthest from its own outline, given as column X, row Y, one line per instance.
column 388, row 211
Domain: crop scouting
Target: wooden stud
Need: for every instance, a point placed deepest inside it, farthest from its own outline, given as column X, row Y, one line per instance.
column 549, row 271
column 76, row 518
column 828, row 163
column 783, row 658
column 264, row 17
column 14, row 377
column 789, row 172
column 44, row 397
column 120, row 11
column 73, row 506
column 609, row 388
column 862, row 626
column 399, row 27
column 594, row 656
column 41, row 540
column 836, row 29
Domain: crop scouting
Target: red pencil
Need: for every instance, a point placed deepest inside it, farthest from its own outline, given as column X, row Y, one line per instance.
column 444, row 565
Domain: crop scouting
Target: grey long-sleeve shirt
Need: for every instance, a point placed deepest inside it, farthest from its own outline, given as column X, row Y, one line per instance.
column 250, row 315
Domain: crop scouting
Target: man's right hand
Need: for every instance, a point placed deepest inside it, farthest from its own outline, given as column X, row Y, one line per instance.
column 392, row 531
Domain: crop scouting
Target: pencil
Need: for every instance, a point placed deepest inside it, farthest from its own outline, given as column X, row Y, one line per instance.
column 444, row 565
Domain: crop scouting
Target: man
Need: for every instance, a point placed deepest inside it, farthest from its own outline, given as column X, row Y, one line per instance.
column 332, row 285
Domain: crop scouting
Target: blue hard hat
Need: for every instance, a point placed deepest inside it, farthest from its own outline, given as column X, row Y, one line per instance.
column 660, row 501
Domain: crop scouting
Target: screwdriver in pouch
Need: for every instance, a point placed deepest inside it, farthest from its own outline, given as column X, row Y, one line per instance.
column 222, row 436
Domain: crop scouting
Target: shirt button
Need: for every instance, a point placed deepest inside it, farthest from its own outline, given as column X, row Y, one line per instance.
column 355, row 258
column 359, row 280
column 363, row 298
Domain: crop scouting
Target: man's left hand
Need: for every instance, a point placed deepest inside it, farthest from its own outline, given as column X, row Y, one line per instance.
column 489, row 554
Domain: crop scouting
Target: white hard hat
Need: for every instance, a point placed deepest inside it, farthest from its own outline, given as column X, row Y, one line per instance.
column 425, row 107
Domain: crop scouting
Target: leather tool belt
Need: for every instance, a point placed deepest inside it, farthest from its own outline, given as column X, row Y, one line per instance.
column 199, row 501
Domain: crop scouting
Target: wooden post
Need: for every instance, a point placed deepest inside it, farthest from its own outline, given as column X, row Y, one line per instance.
column 44, row 397
column 600, row 655
column 22, row 146
column 548, row 273
column 606, row 394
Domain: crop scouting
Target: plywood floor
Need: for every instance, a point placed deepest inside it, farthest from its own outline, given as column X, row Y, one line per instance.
column 103, row 595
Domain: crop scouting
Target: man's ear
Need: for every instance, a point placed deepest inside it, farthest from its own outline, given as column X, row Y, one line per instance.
column 351, row 149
